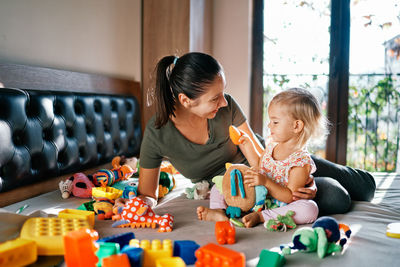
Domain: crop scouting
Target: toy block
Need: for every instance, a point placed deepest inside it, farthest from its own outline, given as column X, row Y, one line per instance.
column 153, row 250
column 134, row 254
column 185, row 249
column 270, row 258
column 225, row 232
column 107, row 192
column 80, row 214
column 48, row 232
column 170, row 262
column 122, row 239
column 216, row 255
column 120, row 260
column 106, row 249
column 80, row 247
column 17, row 252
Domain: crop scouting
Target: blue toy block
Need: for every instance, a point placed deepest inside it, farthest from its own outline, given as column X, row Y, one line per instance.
column 135, row 255
column 185, row 249
column 122, row 239
column 270, row 259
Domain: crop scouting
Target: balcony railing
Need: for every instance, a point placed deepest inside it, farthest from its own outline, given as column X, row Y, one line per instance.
column 373, row 124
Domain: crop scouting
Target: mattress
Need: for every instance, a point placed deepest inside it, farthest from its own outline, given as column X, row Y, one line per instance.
column 368, row 245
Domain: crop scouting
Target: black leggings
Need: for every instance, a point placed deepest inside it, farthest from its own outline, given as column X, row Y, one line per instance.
column 337, row 185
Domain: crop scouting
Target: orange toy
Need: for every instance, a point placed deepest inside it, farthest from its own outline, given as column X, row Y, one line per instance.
column 235, row 134
column 137, row 213
column 80, row 247
column 120, row 260
column 225, row 232
column 216, row 255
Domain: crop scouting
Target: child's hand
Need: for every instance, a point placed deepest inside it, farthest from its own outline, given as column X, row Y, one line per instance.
column 244, row 138
column 253, row 177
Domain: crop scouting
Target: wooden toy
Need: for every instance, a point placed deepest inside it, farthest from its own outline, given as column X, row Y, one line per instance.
column 216, row 255
column 48, row 232
column 225, row 232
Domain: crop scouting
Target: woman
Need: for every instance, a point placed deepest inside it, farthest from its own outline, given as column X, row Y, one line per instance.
column 190, row 129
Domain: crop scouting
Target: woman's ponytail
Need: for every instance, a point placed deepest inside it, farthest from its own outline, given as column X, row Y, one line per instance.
column 164, row 97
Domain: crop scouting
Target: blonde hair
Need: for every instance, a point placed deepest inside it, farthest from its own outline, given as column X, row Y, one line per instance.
column 302, row 105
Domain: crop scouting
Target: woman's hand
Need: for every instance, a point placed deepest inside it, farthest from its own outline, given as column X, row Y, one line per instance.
column 308, row 192
column 253, row 177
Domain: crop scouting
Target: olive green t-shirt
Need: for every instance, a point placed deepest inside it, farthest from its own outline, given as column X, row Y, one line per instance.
column 194, row 161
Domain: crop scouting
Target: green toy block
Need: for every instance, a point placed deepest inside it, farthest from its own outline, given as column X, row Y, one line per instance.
column 106, row 249
column 270, row 259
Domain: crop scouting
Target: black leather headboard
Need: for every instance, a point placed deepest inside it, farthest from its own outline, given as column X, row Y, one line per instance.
column 44, row 134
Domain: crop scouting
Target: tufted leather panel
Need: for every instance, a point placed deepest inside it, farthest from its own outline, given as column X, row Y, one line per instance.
column 49, row 133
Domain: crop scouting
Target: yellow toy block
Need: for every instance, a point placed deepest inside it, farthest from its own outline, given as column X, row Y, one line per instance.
column 154, row 250
column 107, row 192
column 170, row 262
column 79, row 214
column 17, row 252
column 48, row 233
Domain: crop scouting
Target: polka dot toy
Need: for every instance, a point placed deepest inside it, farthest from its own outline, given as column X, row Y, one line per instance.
column 136, row 213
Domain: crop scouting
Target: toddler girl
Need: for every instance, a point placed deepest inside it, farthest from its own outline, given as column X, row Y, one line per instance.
column 285, row 165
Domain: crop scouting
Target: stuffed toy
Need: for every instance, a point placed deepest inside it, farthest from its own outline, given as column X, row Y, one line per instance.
column 137, row 213
column 199, row 191
column 78, row 185
column 281, row 223
column 238, row 196
column 322, row 238
column 103, row 207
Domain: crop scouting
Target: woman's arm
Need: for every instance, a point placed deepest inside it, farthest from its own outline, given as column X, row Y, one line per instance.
column 251, row 146
column 148, row 183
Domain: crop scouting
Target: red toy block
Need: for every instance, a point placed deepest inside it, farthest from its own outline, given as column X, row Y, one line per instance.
column 120, row 260
column 80, row 247
column 216, row 255
column 225, row 232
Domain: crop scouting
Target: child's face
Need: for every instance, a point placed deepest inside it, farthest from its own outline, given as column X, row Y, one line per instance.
column 281, row 124
column 207, row 105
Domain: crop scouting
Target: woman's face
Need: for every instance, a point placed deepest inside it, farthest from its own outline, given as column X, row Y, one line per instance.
column 207, row 105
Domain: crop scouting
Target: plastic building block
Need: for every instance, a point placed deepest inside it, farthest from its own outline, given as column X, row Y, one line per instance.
column 270, row 258
column 225, row 232
column 17, row 252
column 185, row 249
column 135, row 255
column 216, row 255
column 120, row 260
column 106, row 249
column 170, row 262
column 80, row 247
column 153, row 250
column 107, row 192
column 48, row 232
column 122, row 239
column 81, row 214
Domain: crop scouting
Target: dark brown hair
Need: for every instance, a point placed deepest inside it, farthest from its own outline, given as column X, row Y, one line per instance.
column 188, row 75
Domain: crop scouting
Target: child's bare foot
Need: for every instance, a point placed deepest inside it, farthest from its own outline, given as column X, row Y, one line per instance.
column 252, row 219
column 206, row 214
